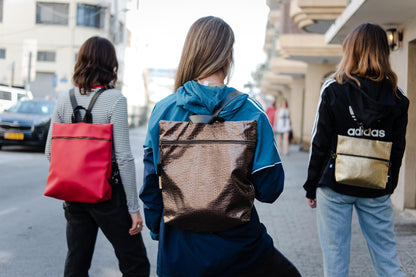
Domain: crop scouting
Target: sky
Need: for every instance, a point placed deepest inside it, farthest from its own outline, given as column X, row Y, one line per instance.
column 163, row 25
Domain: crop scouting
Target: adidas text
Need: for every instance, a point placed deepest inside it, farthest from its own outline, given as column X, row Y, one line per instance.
column 367, row 132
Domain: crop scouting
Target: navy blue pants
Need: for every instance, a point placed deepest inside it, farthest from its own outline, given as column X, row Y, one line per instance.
column 113, row 218
column 277, row 265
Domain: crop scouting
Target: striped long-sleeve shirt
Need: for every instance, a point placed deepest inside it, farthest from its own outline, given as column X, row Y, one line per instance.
column 111, row 107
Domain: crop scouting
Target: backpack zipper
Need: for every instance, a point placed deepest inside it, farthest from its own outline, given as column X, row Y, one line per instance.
column 208, row 142
column 334, row 155
column 92, row 138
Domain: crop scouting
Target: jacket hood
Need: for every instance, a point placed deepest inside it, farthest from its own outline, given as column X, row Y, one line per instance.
column 200, row 99
column 372, row 101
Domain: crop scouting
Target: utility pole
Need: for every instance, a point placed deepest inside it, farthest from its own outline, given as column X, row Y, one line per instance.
column 27, row 87
column 12, row 77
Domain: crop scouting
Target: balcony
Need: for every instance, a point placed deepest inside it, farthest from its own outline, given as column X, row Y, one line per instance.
column 316, row 16
column 273, row 83
column 274, row 17
column 309, row 48
column 386, row 13
column 279, row 65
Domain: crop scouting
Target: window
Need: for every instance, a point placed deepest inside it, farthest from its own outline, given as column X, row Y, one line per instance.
column 90, row 16
column 5, row 95
column 2, row 53
column 52, row 13
column 116, row 30
column 1, row 10
column 21, row 96
column 46, row 56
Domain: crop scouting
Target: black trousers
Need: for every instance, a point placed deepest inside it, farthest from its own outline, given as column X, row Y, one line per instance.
column 277, row 265
column 113, row 218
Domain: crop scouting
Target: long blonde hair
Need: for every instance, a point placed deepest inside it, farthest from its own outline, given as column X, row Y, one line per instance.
column 366, row 54
column 208, row 48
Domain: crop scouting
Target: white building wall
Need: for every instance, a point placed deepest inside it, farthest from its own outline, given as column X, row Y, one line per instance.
column 19, row 27
column 19, row 35
column 403, row 63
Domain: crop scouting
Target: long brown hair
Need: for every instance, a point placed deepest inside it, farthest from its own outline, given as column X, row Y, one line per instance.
column 366, row 54
column 96, row 65
column 208, row 48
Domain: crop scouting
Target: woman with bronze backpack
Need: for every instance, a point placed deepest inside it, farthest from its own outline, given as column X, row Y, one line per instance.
column 244, row 249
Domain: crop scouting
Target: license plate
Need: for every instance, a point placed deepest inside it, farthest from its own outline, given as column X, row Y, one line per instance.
column 15, row 136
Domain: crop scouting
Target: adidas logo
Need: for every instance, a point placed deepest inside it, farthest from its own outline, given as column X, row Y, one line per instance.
column 358, row 132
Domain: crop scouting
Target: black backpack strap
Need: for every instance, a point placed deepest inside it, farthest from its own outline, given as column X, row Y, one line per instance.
column 210, row 118
column 354, row 116
column 73, row 99
column 94, row 98
column 76, row 115
column 227, row 100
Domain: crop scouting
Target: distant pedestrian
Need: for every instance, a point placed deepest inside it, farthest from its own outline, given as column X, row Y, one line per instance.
column 118, row 218
column 363, row 90
column 283, row 127
column 271, row 115
column 245, row 250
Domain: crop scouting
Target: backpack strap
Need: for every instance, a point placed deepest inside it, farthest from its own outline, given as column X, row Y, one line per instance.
column 76, row 114
column 210, row 118
column 227, row 100
column 94, row 98
column 355, row 117
column 73, row 99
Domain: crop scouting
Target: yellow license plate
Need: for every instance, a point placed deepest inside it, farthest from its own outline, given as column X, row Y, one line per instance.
column 15, row 136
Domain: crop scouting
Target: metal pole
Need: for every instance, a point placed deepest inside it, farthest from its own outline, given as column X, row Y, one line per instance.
column 12, row 77
column 29, row 70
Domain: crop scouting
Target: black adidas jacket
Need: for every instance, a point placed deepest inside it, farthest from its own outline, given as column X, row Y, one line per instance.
column 374, row 104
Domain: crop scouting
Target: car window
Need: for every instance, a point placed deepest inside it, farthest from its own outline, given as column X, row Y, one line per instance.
column 5, row 95
column 32, row 107
column 46, row 108
column 20, row 96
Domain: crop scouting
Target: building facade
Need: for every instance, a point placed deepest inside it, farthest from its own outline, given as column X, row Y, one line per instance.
column 303, row 42
column 39, row 41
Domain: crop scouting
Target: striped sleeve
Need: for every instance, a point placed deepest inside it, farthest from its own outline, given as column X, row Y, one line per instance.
column 123, row 153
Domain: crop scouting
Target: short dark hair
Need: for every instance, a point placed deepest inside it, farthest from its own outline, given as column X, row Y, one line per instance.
column 96, row 64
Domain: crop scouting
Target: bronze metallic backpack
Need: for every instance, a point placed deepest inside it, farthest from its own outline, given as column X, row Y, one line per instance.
column 204, row 171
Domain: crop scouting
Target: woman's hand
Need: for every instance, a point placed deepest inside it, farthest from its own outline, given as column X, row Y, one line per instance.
column 136, row 225
column 311, row 202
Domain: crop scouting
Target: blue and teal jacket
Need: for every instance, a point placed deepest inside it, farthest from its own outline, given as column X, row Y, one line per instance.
column 229, row 253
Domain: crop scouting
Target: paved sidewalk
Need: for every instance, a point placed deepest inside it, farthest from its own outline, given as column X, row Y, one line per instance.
column 293, row 226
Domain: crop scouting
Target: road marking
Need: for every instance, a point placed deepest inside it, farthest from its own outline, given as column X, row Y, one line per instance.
column 8, row 211
column 5, row 257
column 8, row 157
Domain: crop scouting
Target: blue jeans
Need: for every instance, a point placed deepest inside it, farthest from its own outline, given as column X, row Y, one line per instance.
column 375, row 215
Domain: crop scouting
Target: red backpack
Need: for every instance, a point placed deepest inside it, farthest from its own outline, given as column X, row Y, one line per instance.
column 81, row 158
